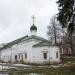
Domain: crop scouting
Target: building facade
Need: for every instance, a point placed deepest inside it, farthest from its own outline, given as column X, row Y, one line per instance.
column 30, row 50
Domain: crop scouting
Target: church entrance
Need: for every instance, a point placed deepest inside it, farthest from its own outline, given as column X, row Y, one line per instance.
column 45, row 56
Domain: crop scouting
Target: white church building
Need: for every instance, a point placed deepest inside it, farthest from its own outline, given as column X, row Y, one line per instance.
column 30, row 50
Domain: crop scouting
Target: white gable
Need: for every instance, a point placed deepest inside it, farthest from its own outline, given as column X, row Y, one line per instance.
column 34, row 47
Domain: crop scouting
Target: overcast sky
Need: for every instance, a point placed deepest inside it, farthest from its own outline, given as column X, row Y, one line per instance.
column 15, row 17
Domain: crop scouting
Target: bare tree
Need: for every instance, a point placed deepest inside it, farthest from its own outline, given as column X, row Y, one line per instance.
column 55, row 31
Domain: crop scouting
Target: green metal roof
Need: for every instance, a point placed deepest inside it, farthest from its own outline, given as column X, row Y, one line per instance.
column 34, row 37
column 10, row 44
column 44, row 43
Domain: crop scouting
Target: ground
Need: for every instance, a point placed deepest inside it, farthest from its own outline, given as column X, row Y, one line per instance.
column 66, row 68
column 19, row 69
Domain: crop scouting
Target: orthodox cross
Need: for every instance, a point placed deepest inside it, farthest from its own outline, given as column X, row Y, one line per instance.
column 33, row 17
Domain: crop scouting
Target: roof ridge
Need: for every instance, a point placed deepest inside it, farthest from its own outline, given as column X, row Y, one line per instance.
column 10, row 44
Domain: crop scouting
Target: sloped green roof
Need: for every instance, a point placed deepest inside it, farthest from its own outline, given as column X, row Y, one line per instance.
column 9, row 45
column 44, row 43
column 34, row 37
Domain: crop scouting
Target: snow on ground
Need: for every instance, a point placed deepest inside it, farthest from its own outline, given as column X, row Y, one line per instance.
column 3, row 67
column 21, row 65
column 0, row 67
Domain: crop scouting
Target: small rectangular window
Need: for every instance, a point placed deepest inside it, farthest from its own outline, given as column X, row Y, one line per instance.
column 19, row 56
column 45, row 55
column 15, row 57
column 25, row 55
column 22, row 57
column 56, row 55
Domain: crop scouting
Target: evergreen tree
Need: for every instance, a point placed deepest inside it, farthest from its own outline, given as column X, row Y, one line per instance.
column 66, row 12
column 66, row 16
